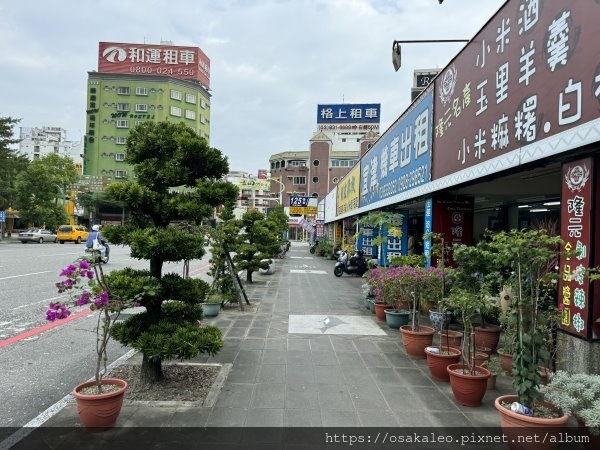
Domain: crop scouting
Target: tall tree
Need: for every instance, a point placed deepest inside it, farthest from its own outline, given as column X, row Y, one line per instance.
column 41, row 190
column 11, row 163
column 177, row 182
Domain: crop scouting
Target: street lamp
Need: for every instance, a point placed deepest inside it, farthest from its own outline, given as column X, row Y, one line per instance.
column 396, row 55
column 281, row 189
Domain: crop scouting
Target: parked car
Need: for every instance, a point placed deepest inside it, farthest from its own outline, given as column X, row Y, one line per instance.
column 72, row 233
column 37, row 235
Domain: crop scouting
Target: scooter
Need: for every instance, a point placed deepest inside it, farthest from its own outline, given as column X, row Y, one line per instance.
column 96, row 253
column 357, row 264
column 313, row 247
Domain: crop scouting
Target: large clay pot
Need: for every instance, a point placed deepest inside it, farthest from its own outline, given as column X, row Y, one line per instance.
column 380, row 308
column 438, row 358
column 468, row 389
column 416, row 341
column 451, row 338
column 521, row 430
column 395, row 318
column 99, row 412
column 487, row 336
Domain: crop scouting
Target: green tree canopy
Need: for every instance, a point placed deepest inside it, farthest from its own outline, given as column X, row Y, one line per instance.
column 11, row 163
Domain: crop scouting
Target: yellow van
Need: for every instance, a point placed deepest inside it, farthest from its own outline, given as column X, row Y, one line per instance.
column 72, row 233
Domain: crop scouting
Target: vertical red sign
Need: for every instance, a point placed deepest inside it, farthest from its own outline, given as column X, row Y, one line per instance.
column 575, row 232
column 453, row 218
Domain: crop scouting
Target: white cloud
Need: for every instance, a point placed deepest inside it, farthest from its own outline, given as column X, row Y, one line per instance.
column 272, row 61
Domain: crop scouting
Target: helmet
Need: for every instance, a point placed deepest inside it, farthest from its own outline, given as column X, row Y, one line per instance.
column 96, row 228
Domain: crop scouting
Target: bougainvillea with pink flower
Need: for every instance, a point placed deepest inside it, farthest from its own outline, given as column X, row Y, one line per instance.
column 85, row 284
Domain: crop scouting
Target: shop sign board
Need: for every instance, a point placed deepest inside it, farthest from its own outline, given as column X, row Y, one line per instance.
column 303, row 205
column 348, row 190
column 531, row 73
column 574, row 300
column 400, row 159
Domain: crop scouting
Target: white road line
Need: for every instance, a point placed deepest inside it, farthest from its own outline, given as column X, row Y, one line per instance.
column 320, row 272
column 26, row 274
column 47, row 300
column 24, row 431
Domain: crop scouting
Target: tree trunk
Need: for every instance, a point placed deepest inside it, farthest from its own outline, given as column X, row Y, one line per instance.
column 248, row 276
column 151, row 370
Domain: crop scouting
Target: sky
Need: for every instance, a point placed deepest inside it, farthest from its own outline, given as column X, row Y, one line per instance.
column 272, row 61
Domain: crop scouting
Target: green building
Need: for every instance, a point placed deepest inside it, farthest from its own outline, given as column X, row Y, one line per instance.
column 118, row 102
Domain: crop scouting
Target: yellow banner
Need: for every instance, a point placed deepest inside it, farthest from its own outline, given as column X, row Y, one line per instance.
column 348, row 191
column 303, row 210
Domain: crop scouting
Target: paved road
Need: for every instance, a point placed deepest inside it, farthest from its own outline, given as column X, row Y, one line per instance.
column 38, row 370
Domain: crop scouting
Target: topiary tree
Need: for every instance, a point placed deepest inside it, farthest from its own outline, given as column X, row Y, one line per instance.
column 257, row 241
column 176, row 184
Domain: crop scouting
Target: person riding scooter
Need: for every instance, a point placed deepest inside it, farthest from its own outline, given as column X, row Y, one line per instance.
column 89, row 243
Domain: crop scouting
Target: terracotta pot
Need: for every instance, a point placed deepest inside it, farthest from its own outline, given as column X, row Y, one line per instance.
column 380, row 310
column 99, row 412
column 480, row 358
column 521, row 430
column 468, row 389
column 487, row 336
column 505, row 362
column 451, row 338
column 438, row 358
column 416, row 341
column 486, row 350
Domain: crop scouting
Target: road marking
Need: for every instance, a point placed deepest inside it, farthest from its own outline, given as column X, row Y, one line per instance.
column 41, row 329
column 320, row 272
column 48, row 300
column 301, row 257
column 26, row 274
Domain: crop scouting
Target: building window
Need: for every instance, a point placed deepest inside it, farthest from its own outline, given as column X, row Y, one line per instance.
column 203, row 104
column 316, row 162
column 299, row 180
column 189, row 114
column 175, row 95
column 93, row 90
column 315, row 179
column 120, row 173
column 141, row 107
column 122, row 123
column 119, row 156
column 343, row 162
column 315, row 194
column 123, row 90
column 141, row 91
column 122, row 106
column 121, row 140
column 297, row 163
column 175, row 111
column 335, row 180
column 190, row 98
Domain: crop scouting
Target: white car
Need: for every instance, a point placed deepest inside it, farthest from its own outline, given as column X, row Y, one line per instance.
column 37, row 235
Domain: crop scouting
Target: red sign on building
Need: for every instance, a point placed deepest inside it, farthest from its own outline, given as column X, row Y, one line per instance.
column 186, row 63
column 575, row 232
column 530, row 74
column 453, row 218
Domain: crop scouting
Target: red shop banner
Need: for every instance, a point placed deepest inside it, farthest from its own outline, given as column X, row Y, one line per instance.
column 453, row 218
column 575, row 232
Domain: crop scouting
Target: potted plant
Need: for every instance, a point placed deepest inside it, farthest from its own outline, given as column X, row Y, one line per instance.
column 415, row 337
column 99, row 401
column 528, row 259
column 213, row 302
column 577, row 395
column 493, row 365
column 392, row 288
column 467, row 379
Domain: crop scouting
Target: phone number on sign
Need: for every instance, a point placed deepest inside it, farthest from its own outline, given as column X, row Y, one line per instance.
column 413, row 178
column 161, row 70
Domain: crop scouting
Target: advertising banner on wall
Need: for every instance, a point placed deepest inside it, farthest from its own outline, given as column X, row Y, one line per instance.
column 453, row 220
column 348, row 190
column 186, row 63
column 400, row 159
column 575, row 232
column 533, row 72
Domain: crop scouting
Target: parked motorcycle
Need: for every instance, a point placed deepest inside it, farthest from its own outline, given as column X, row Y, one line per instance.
column 356, row 264
column 313, row 247
column 96, row 253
